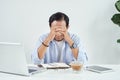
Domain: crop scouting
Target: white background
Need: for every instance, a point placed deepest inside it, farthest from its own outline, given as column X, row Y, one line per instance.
column 25, row 20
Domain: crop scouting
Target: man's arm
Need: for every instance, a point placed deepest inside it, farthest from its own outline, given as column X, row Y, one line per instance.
column 70, row 42
column 74, row 50
column 42, row 49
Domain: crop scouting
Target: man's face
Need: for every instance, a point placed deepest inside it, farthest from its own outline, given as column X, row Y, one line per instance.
column 59, row 26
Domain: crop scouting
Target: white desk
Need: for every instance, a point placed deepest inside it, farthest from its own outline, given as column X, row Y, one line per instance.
column 67, row 74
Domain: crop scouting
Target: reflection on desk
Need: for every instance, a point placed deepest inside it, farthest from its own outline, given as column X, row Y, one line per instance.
column 67, row 74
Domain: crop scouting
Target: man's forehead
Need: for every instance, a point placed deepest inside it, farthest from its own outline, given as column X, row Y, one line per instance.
column 58, row 22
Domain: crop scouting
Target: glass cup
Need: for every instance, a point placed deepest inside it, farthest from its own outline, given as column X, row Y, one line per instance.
column 76, row 66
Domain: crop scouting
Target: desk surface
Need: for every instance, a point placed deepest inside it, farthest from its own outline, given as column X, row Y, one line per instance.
column 67, row 74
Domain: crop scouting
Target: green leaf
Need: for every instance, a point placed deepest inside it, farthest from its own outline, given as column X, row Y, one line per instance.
column 117, row 5
column 118, row 41
column 116, row 19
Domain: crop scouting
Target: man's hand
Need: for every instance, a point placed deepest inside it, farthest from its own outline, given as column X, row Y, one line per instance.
column 66, row 36
column 53, row 31
column 51, row 35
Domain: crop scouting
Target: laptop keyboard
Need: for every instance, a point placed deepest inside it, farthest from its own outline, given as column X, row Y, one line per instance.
column 31, row 70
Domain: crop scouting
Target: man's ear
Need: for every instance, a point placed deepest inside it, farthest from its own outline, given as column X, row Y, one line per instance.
column 68, row 27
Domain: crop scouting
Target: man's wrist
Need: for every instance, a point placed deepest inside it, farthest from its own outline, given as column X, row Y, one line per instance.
column 73, row 46
column 45, row 44
column 70, row 43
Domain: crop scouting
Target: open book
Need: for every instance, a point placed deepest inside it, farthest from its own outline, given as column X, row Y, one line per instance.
column 55, row 66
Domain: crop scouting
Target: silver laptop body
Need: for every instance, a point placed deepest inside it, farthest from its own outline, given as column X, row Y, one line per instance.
column 13, row 59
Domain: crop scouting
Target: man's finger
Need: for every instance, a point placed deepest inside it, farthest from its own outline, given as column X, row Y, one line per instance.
column 58, row 29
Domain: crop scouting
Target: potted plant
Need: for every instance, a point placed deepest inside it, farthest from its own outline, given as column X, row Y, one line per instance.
column 116, row 17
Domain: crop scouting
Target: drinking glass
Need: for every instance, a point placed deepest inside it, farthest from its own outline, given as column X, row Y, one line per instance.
column 76, row 66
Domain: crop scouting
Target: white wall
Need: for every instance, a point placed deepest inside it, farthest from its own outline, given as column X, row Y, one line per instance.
column 25, row 20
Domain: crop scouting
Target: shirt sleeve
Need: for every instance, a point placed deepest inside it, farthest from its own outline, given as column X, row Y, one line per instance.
column 34, row 56
column 82, row 56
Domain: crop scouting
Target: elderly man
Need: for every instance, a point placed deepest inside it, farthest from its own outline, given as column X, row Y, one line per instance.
column 59, row 45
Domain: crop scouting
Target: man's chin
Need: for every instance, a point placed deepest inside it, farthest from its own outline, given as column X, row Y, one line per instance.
column 58, row 39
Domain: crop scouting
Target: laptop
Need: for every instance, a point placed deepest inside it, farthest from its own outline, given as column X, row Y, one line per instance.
column 13, row 60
